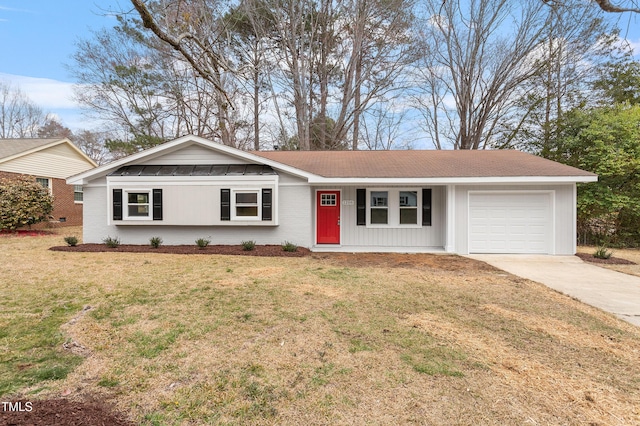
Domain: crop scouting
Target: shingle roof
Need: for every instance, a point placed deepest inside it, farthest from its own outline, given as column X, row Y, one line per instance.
column 11, row 147
column 421, row 164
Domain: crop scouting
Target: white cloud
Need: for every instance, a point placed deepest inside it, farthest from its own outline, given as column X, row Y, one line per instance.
column 635, row 45
column 48, row 94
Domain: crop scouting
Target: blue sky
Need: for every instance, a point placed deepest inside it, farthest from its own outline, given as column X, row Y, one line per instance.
column 37, row 38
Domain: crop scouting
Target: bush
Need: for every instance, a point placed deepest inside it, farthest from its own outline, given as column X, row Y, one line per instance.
column 602, row 253
column 111, row 242
column 287, row 246
column 202, row 242
column 71, row 241
column 155, row 242
column 248, row 245
column 23, row 202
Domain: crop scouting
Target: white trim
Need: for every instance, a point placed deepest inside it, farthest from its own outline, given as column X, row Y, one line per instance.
column 194, row 180
column 125, row 204
column 450, row 227
column 315, row 217
column 234, row 204
column 551, row 243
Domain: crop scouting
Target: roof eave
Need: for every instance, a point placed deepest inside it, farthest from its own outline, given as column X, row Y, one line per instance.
column 454, row 180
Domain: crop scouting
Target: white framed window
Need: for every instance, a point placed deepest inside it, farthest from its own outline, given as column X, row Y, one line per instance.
column 408, row 201
column 138, row 204
column 77, row 193
column 379, row 208
column 45, row 182
column 328, row 199
column 394, row 208
column 246, row 204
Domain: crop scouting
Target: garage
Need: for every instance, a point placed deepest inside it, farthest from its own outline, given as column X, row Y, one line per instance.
column 511, row 222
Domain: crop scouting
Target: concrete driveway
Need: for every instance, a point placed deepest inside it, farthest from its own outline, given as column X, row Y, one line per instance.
column 608, row 290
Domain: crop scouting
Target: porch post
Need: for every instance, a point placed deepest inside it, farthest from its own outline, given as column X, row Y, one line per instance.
column 450, row 231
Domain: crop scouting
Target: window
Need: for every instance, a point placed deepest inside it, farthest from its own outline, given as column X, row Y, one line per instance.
column 389, row 207
column 246, row 204
column 45, row 182
column 327, row 199
column 408, row 207
column 379, row 207
column 138, row 204
column 77, row 193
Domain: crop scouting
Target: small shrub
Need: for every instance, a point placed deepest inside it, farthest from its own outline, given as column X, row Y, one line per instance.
column 248, row 245
column 155, row 242
column 602, row 253
column 111, row 242
column 71, row 241
column 202, row 242
column 287, row 246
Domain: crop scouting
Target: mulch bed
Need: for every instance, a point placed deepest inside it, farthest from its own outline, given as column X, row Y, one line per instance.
column 60, row 412
column 587, row 257
column 266, row 250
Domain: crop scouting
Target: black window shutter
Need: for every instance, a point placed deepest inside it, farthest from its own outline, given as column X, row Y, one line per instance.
column 117, row 204
column 157, row 204
column 426, row 207
column 225, row 204
column 267, row 203
column 361, row 202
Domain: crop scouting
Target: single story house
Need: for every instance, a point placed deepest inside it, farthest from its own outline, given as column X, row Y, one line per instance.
column 376, row 201
column 50, row 161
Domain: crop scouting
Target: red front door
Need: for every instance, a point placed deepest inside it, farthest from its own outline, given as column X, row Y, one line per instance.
column 328, row 217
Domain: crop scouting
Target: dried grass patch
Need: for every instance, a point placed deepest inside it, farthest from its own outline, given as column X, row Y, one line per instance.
column 344, row 339
column 533, row 383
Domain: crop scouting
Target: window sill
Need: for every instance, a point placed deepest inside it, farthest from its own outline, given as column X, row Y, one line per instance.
column 394, row 226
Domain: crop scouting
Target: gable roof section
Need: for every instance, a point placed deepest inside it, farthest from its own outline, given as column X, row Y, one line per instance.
column 424, row 164
column 11, row 149
column 177, row 144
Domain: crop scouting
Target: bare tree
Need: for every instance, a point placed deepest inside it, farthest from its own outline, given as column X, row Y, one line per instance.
column 336, row 59
column 196, row 31
column 93, row 144
column 477, row 55
column 606, row 5
column 19, row 116
column 578, row 42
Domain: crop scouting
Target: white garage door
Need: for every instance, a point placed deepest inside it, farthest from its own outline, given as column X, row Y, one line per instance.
column 510, row 222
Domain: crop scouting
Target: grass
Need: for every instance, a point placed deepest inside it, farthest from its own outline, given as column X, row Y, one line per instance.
column 179, row 339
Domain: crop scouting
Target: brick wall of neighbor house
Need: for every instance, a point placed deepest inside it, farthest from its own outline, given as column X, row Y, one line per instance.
column 63, row 205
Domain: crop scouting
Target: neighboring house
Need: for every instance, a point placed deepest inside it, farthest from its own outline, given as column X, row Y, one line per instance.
column 50, row 161
column 402, row 201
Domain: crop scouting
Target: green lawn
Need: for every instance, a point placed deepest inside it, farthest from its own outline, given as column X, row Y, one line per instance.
column 179, row 339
